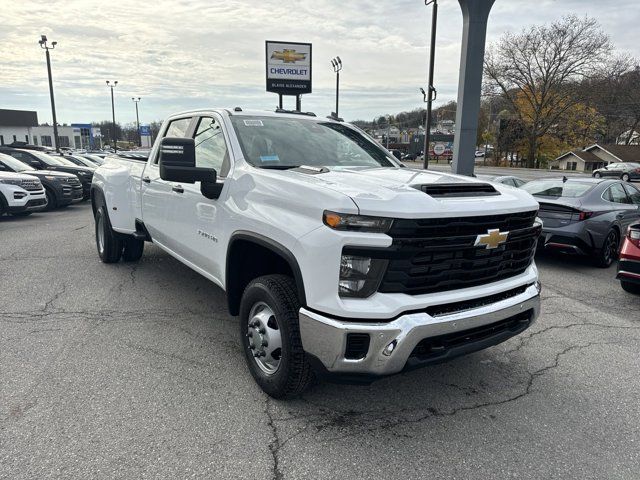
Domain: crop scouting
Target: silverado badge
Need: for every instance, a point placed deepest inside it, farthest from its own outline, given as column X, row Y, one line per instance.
column 492, row 239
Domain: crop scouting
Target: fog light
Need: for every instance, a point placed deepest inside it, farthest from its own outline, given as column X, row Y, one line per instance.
column 19, row 195
column 388, row 350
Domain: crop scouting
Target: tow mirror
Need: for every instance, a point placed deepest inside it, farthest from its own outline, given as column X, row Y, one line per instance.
column 178, row 164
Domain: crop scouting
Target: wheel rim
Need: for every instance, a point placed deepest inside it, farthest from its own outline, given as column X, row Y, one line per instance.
column 611, row 248
column 264, row 339
column 625, row 177
column 100, row 232
column 597, row 175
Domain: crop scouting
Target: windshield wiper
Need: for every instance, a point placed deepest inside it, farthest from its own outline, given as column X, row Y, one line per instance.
column 279, row 167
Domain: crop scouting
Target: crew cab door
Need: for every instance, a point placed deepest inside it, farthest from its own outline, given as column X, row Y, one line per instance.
column 200, row 219
column 158, row 196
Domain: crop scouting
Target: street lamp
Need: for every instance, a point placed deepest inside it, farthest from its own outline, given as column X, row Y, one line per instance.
column 113, row 114
column 136, row 100
column 43, row 44
column 431, row 96
column 336, row 63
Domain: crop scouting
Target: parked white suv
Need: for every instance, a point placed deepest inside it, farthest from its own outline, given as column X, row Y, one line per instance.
column 21, row 194
column 339, row 261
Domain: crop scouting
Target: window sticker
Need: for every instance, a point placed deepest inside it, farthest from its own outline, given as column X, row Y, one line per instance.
column 269, row 158
column 253, row 123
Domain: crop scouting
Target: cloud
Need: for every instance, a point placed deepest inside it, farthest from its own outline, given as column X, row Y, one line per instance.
column 189, row 54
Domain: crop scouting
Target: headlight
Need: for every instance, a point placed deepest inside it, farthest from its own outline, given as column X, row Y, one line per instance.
column 52, row 178
column 11, row 181
column 358, row 223
column 360, row 276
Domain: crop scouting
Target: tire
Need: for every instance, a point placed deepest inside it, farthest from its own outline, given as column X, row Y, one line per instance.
column 597, row 175
column 605, row 256
column 52, row 202
column 132, row 250
column 271, row 304
column 630, row 287
column 108, row 243
column 22, row 214
column 625, row 177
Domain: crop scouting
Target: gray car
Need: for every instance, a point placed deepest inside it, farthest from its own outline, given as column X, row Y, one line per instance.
column 626, row 171
column 584, row 215
column 504, row 179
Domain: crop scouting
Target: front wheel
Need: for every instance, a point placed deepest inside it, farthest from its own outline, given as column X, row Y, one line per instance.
column 107, row 241
column 597, row 175
column 605, row 256
column 270, row 336
column 52, row 203
column 625, row 177
column 630, row 286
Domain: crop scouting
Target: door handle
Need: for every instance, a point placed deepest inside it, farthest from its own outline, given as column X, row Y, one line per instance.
column 146, row 179
column 178, row 189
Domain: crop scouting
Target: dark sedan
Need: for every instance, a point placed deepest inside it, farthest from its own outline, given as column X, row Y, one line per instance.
column 625, row 171
column 585, row 216
column 42, row 161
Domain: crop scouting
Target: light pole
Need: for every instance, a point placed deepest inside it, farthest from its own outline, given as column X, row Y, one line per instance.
column 43, row 44
column 336, row 63
column 136, row 100
column 431, row 96
column 113, row 114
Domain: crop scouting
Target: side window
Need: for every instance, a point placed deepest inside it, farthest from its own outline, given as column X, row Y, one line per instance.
column 211, row 149
column 178, row 128
column 634, row 194
column 618, row 195
column 518, row 182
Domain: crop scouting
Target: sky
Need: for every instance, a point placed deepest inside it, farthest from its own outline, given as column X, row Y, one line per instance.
column 178, row 55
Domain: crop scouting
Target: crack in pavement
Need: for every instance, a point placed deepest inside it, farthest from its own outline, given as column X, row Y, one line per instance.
column 55, row 297
column 361, row 422
column 274, row 445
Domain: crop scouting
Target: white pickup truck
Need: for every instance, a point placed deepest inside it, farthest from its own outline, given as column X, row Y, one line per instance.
column 340, row 263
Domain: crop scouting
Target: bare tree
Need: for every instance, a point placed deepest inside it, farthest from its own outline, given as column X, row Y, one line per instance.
column 538, row 71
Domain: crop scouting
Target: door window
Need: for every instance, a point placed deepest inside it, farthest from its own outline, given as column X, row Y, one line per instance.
column 178, row 128
column 617, row 194
column 211, row 149
column 634, row 194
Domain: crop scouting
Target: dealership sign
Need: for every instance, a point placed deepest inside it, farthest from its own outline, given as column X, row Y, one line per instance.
column 288, row 67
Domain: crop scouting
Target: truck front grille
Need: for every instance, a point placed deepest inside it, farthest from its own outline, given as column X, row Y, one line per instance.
column 435, row 255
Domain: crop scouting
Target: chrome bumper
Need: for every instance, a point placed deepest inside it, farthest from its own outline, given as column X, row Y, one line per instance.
column 326, row 338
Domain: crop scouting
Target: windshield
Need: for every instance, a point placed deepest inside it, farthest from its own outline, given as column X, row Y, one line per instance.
column 14, row 164
column 282, row 142
column 49, row 160
column 557, row 188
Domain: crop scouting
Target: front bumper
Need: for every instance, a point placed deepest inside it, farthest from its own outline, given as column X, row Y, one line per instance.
column 325, row 339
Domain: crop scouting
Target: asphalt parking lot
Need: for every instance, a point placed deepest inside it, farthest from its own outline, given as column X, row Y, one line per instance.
column 135, row 371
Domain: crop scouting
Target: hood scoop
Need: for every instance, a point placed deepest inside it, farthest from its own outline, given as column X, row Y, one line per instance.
column 457, row 190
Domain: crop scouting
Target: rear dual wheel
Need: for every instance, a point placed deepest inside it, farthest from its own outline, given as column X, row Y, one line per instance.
column 112, row 245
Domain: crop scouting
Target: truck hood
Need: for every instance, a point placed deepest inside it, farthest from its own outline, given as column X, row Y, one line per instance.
column 396, row 192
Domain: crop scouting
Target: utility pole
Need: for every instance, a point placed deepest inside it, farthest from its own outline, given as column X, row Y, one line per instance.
column 431, row 95
column 388, row 129
column 337, row 66
column 136, row 100
column 43, row 44
column 113, row 114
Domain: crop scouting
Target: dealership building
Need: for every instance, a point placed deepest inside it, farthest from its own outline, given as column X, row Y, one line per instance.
column 22, row 126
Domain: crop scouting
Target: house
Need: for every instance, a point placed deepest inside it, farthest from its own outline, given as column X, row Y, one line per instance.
column 597, row 156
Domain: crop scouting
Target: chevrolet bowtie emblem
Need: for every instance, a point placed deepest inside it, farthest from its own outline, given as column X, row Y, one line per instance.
column 288, row 55
column 492, row 239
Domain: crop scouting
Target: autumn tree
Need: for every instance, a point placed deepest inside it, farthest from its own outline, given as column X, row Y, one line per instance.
column 540, row 68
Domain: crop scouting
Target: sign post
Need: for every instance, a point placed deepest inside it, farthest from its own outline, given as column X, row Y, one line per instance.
column 288, row 69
